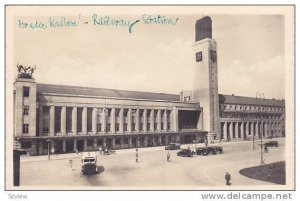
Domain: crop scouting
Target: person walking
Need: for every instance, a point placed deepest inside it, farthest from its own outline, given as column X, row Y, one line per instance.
column 100, row 150
column 168, row 157
column 228, row 178
column 136, row 156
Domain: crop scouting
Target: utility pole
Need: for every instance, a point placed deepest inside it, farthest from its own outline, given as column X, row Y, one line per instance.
column 261, row 96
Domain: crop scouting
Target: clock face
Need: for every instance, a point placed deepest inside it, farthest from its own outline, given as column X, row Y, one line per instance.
column 198, row 56
column 213, row 55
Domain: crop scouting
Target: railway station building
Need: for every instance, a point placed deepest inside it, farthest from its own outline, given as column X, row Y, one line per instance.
column 73, row 118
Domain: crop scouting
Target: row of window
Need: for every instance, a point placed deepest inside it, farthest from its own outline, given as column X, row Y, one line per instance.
column 253, row 108
column 239, row 116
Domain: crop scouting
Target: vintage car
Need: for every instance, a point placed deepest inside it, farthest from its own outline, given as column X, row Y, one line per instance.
column 185, row 153
column 89, row 163
column 202, row 151
column 219, row 149
column 172, row 146
column 272, row 144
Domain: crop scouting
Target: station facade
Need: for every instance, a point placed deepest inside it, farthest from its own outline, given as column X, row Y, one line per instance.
column 66, row 119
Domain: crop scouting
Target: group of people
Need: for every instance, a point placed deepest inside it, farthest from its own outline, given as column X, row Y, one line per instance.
column 104, row 150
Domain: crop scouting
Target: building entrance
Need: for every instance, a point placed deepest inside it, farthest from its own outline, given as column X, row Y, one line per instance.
column 69, row 146
column 80, row 145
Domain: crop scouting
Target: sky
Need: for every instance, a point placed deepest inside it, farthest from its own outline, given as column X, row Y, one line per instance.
column 153, row 57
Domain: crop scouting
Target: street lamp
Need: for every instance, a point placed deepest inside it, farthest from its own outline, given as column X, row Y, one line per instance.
column 261, row 95
column 48, row 141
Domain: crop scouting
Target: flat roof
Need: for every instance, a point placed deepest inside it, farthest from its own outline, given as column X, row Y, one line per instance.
column 232, row 99
column 89, row 91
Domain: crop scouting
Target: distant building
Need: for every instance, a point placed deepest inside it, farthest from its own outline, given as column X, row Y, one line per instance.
column 71, row 118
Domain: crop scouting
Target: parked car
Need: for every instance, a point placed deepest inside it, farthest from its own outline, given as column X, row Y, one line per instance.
column 272, row 144
column 212, row 150
column 219, row 149
column 202, row 151
column 172, row 146
column 185, row 153
column 89, row 163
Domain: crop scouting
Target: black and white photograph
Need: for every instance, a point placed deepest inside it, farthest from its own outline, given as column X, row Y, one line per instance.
column 149, row 97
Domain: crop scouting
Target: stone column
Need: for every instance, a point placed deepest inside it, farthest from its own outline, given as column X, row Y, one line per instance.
column 52, row 120
column 52, row 150
column 75, row 145
column 159, row 120
column 74, row 121
column 104, row 142
column 145, row 120
column 137, row 120
column 95, row 144
column 231, row 130
column 85, row 144
column 165, row 121
column 167, row 139
column 159, row 140
column 122, row 143
column 257, row 129
column 145, row 141
column 94, row 120
column 40, row 147
column 63, row 120
column 113, row 120
column 225, row 131
column 130, row 142
column 236, row 130
column 103, row 120
column 266, row 129
column 242, row 131
column 175, row 119
column 64, row 146
column 121, row 120
column 41, row 114
column 247, row 129
column 129, row 116
column 152, row 120
column 113, row 143
column 84, row 120
column 252, row 128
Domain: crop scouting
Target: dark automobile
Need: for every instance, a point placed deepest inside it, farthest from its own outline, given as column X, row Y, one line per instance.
column 212, row 150
column 185, row 153
column 173, row 146
column 202, row 151
column 219, row 149
column 272, row 144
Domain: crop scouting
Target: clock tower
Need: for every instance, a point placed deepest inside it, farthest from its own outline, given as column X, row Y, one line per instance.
column 205, row 89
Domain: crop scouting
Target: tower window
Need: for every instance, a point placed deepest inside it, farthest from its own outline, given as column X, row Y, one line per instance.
column 25, row 128
column 25, row 110
column 26, row 91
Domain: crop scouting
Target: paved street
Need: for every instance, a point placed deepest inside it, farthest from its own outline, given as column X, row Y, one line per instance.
column 120, row 169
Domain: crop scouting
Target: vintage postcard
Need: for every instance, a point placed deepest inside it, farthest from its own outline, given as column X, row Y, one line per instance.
column 149, row 97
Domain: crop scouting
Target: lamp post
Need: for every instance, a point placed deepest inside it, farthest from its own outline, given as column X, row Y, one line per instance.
column 48, row 141
column 261, row 96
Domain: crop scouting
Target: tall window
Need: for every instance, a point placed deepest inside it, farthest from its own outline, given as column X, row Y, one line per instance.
column 46, row 119
column 25, row 128
column 25, row 110
column 26, row 91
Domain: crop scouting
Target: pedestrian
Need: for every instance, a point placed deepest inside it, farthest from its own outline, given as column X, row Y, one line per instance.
column 168, row 157
column 136, row 156
column 206, row 143
column 100, row 150
column 228, row 178
column 71, row 164
column 77, row 152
